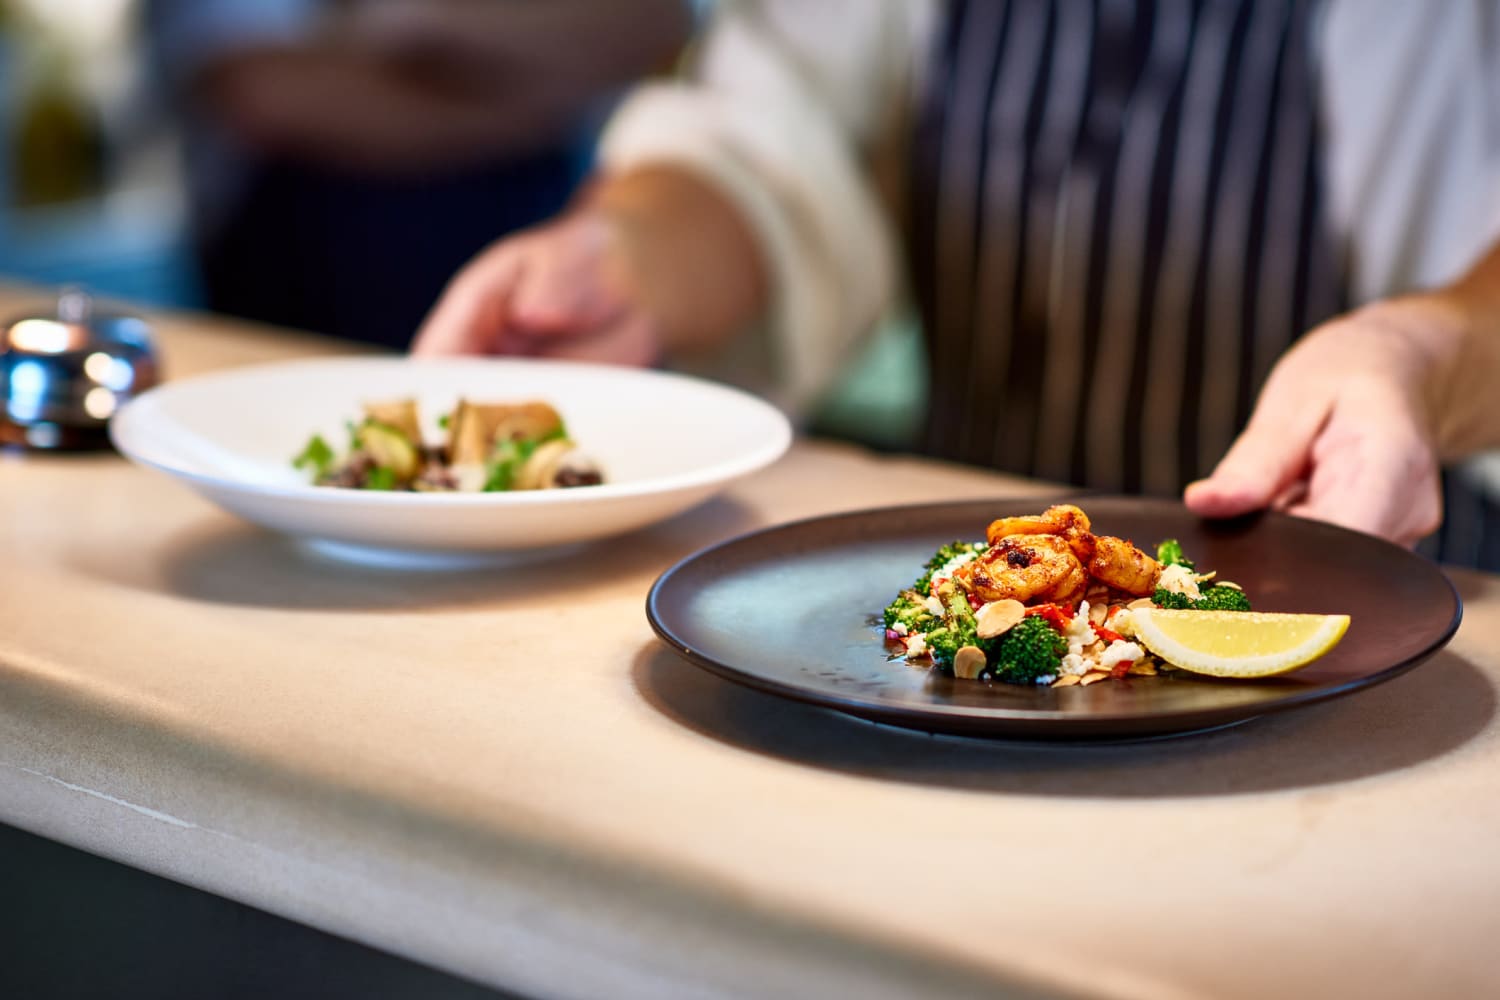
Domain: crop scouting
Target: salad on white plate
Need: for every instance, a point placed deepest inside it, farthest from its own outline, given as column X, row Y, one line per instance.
column 660, row 443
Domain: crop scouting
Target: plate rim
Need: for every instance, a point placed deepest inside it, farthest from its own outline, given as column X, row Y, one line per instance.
column 718, row 473
column 1068, row 723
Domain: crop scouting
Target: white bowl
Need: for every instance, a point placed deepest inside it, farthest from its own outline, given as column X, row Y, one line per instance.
column 665, row 442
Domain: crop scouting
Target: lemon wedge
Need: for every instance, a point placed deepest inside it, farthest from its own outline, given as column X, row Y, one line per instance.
column 1237, row 643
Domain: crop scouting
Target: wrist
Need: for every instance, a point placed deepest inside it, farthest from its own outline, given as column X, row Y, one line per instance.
column 684, row 247
column 1432, row 338
column 1428, row 329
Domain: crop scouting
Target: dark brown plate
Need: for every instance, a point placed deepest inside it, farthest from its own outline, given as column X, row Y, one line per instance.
column 792, row 610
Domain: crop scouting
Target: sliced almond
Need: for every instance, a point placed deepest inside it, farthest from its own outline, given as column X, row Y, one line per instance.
column 1066, row 680
column 1140, row 602
column 968, row 662
column 400, row 414
column 1097, row 612
column 1094, row 648
column 538, row 470
column 1090, row 678
column 470, row 476
column 1142, row 668
column 998, row 617
column 468, row 442
column 520, row 420
column 1230, row 585
column 475, row 428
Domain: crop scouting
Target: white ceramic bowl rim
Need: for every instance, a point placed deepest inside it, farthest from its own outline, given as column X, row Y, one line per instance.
column 730, row 468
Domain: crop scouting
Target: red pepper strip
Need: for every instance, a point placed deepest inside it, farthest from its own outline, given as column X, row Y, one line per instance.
column 1122, row 668
column 1055, row 616
column 1108, row 635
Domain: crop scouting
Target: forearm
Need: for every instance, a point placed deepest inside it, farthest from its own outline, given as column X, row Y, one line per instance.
column 1458, row 338
column 536, row 63
column 686, row 252
column 323, row 103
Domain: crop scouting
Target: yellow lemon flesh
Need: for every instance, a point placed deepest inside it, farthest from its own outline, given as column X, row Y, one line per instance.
column 1237, row 643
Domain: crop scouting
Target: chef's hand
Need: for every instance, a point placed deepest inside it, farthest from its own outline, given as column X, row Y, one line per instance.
column 1345, row 428
column 562, row 290
column 651, row 262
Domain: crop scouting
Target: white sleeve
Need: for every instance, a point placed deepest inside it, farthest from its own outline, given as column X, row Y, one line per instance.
column 788, row 100
column 1411, row 100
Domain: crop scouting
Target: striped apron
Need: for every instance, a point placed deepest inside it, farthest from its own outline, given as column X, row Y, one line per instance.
column 1116, row 228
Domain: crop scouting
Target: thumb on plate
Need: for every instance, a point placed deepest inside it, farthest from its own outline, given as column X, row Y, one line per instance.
column 470, row 317
column 1267, row 459
column 570, row 283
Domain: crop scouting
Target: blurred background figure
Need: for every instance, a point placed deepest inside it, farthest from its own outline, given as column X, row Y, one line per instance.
column 324, row 164
column 1123, row 222
column 343, row 158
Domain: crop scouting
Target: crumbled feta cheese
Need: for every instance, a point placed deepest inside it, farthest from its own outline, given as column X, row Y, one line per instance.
column 916, row 645
column 945, row 571
column 1080, row 633
column 934, row 605
column 899, row 628
column 1074, row 663
column 1120, row 651
column 1122, row 622
column 1180, row 580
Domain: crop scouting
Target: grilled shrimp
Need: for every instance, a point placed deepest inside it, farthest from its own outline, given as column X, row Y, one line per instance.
column 1121, row 565
column 1053, row 521
column 1028, row 567
column 1063, row 520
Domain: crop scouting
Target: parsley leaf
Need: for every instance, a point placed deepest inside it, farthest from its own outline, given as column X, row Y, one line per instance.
column 317, row 456
column 381, row 478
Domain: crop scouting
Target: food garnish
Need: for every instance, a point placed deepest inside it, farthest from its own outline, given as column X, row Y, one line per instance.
column 489, row 447
column 1237, row 644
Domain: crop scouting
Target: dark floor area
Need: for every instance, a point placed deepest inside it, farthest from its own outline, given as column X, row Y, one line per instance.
column 74, row 926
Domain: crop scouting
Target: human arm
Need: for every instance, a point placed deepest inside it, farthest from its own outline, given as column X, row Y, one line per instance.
column 396, row 86
column 651, row 261
column 780, row 128
column 1355, row 420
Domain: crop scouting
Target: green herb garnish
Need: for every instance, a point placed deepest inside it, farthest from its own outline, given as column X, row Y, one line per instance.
column 381, row 477
column 317, row 456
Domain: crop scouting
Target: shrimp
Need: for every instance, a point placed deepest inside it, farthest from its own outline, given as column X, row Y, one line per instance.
column 1055, row 520
column 1028, row 567
column 1062, row 520
column 1121, row 565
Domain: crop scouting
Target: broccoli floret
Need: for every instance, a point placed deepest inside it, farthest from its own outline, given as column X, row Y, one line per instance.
column 1164, row 598
column 959, row 628
column 941, row 558
column 1215, row 598
column 1169, row 553
column 943, row 644
column 1030, row 650
column 910, row 610
column 1221, row 598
